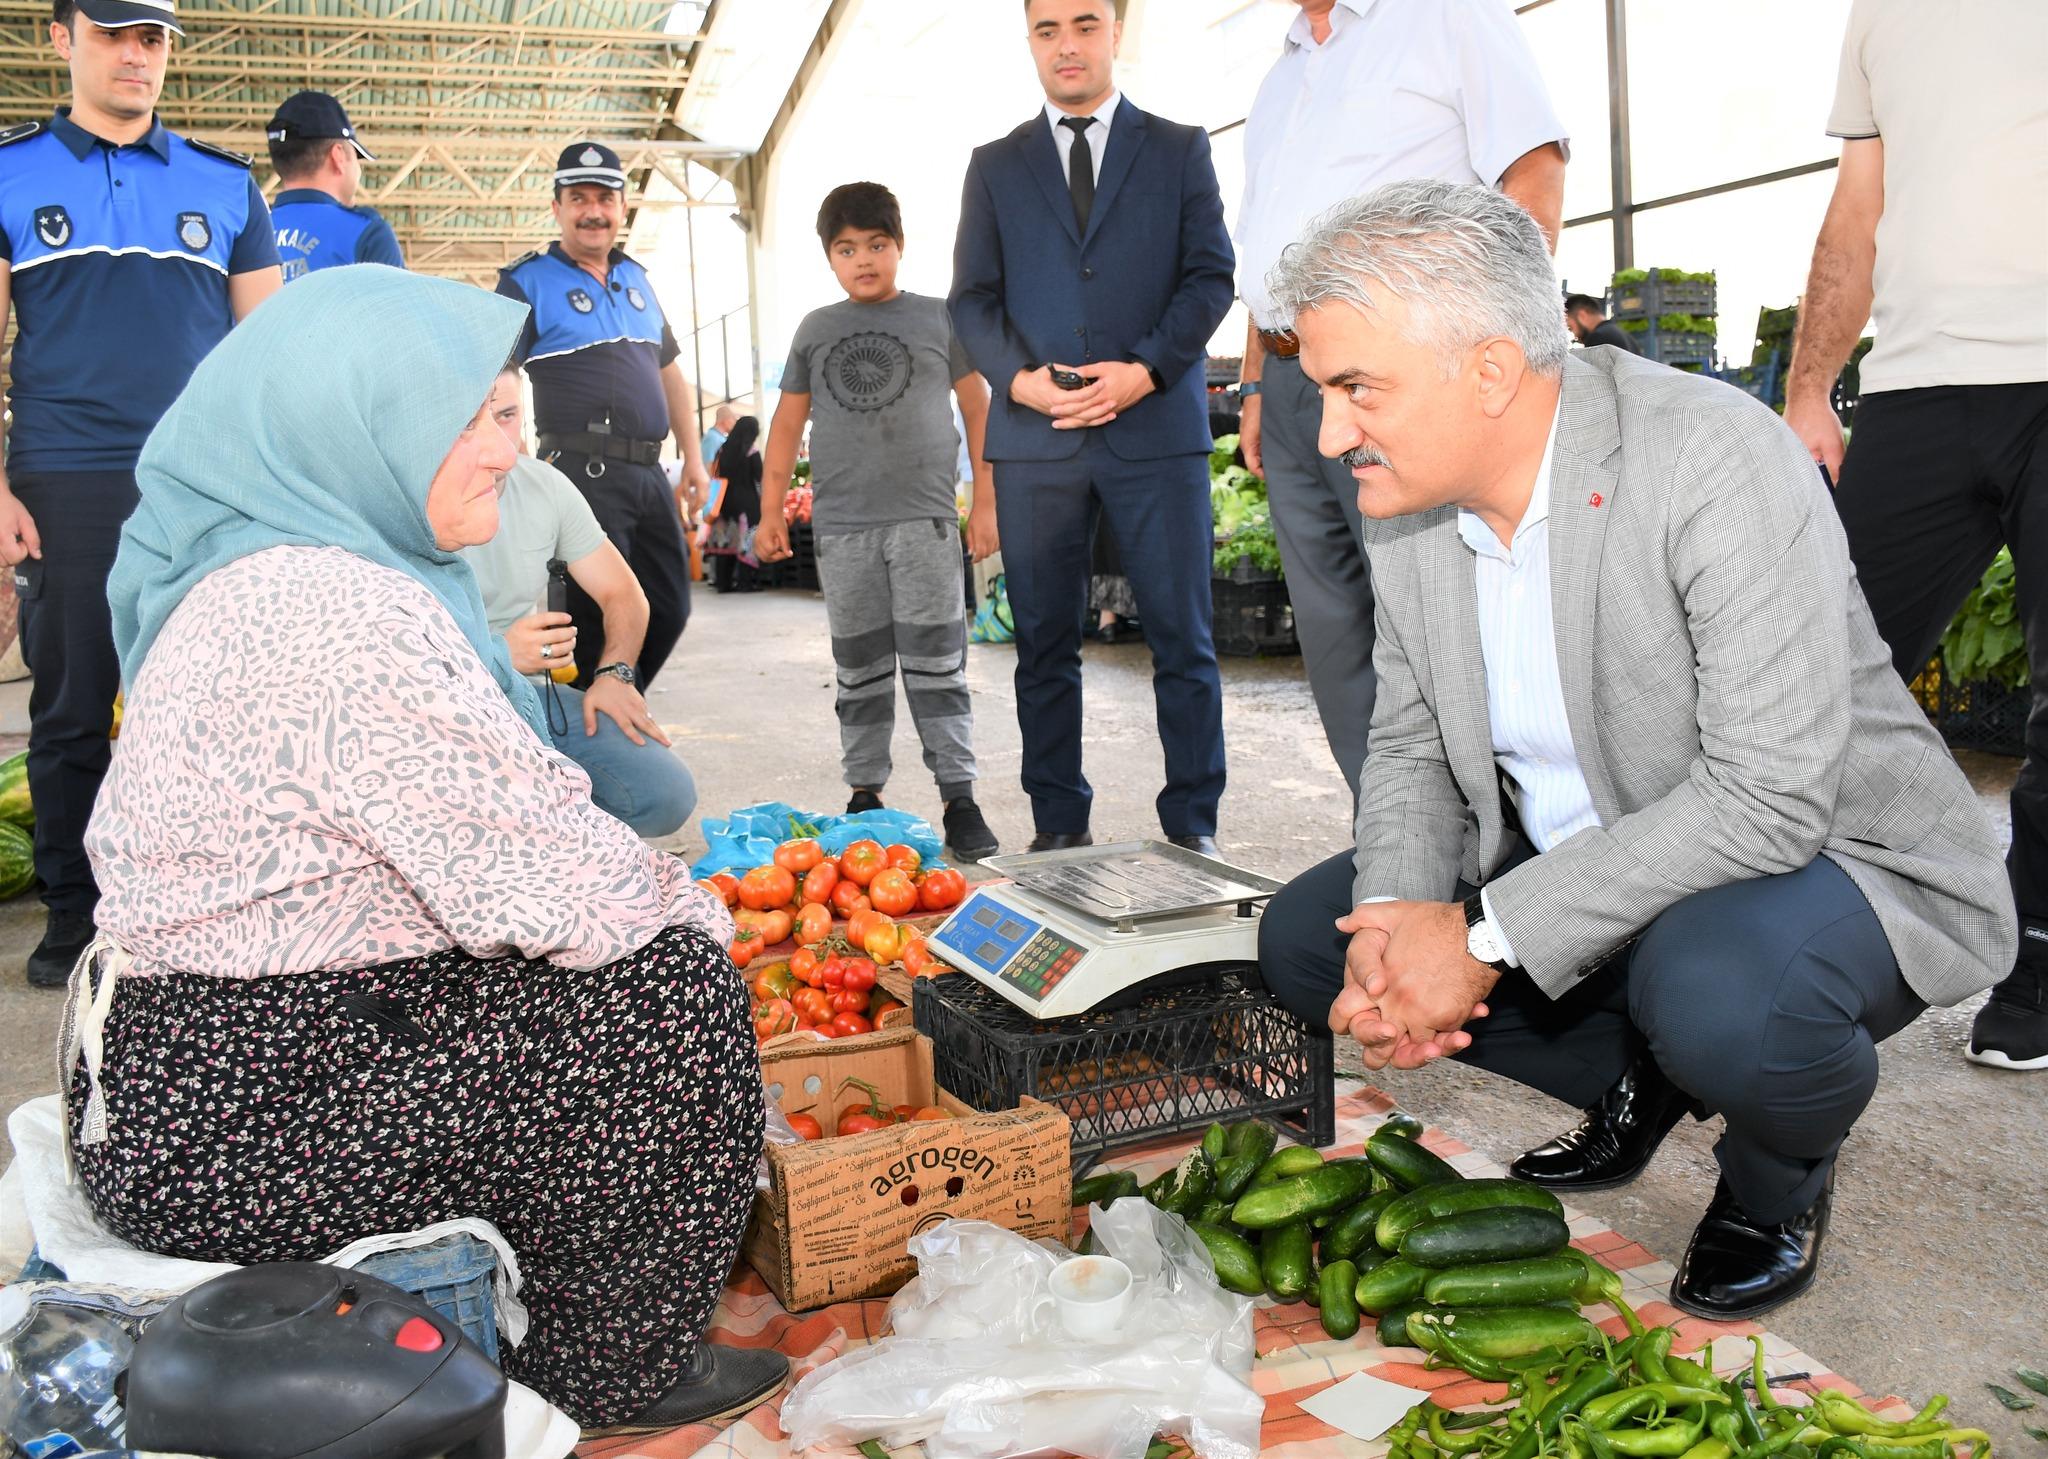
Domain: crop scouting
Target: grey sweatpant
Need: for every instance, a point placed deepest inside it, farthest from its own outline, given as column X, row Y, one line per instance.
column 893, row 596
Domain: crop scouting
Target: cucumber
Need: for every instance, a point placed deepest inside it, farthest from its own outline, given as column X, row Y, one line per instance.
column 1505, row 1233
column 1183, row 1188
column 1237, row 1265
column 1407, row 1163
column 1452, row 1197
column 1235, row 1172
column 1501, row 1332
column 1215, row 1143
column 1352, row 1231
column 1105, row 1189
column 1255, row 1138
column 1339, row 1305
column 1302, row 1197
column 1294, row 1160
column 1507, row 1283
column 1373, row 1182
column 1601, row 1283
column 1393, row 1328
column 1285, row 1253
column 1404, row 1126
column 1215, row 1210
column 1390, row 1284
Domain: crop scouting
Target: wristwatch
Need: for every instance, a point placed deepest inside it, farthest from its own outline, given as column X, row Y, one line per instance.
column 623, row 672
column 1481, row 940
column 1246, row 389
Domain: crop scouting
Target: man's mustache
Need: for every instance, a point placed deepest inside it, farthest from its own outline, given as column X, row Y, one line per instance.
column 1362, row 456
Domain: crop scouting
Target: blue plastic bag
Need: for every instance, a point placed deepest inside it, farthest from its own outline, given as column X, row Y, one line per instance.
column 748, row 837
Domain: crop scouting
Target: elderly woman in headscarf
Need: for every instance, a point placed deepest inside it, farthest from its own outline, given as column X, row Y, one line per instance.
column 369, row 957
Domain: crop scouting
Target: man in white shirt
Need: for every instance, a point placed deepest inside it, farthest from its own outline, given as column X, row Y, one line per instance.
column 1648, row 821
column 1365, row 92
column 1938, row 232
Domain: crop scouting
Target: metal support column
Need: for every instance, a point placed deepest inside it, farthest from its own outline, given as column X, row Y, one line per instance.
column 1623, row 203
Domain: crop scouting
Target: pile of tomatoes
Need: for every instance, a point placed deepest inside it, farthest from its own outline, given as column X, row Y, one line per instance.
column 828, row 984
column 859, row 1118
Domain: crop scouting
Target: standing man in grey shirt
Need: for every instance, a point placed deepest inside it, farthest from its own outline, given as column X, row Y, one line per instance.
column 1365, row 92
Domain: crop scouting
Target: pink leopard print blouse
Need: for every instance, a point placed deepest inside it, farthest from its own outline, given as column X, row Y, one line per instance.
column 315, row 771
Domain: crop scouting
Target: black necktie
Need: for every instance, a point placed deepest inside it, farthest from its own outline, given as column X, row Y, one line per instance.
column 1080, row 169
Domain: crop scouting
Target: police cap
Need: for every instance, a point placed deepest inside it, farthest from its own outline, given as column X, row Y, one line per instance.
column 589, row 162
column 311, row 115
column 117, row 14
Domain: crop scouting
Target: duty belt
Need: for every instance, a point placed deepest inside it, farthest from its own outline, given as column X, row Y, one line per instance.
column 601, row 446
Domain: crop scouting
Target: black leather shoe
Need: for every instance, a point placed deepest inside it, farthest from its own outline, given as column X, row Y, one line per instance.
column 1738, row 1267
column 720, row 1383
column 1059, row 841
column 66, row 936
column 1615, row 1140
column 1201, row 845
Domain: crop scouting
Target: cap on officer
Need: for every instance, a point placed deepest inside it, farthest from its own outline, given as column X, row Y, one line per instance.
column 119, row 14
column 589, row 162
column 308, row 116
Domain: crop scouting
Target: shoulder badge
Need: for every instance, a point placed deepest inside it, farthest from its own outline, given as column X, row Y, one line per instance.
column 21, row 133
column 225, row 154
column 525, row 258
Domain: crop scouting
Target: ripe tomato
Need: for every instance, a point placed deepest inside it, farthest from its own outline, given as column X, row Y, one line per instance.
column 728, row 887
column 765, row 887
column 859, row 976
column 799, row 856
column 813, row 1006
column 744, row 946
column 942, row 890
column 774, row 1016
column 905, row 857
column 846, row 1025
column 773, row 980
column 859, row 862
column 818, row 882
column 813, row 924
column 848, row 897
column 806, row 1125
column 832, row 973
column 932, row 1112
column 848, row 1000
column 803, row 966
column 893, row 892
column 879, row 1003
column 884, row 944
column 857, row 1121
column 858, row 924
column 915, row 956
column 775, row 925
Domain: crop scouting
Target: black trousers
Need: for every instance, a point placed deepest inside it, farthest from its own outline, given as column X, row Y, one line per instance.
column 638, row 513
column 1764, row 1000
column 67, row 638
column 1934, row 482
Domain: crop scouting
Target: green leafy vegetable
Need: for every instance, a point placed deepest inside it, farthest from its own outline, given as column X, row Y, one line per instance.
column 2028, row 1376
column 2009, row 1398
column 1986, row 642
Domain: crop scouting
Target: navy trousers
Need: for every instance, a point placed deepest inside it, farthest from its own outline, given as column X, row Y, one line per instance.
column 67, row 638
column 638, row 513
column 1764, row 1000
column 1158, row 512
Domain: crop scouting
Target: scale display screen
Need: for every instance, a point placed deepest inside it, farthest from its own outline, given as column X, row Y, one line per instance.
column 1010, row 946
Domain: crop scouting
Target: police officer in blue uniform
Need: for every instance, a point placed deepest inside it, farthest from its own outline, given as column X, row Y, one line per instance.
column 607, row 392
column 126, row 253
column 319, row 163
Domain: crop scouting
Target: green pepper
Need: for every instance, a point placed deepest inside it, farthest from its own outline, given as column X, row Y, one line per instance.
column 1651, row 1352
column 1748, row 1431
column 1685, row 1370
column 1838, row 1412
column 1764, row 1398
column 1710, row 1448
column 1607, row 1411
column 1777, row 1443
column 1672, row 1437
column 1451, row 1443
column 1598, row 1380
column 1870, row 1446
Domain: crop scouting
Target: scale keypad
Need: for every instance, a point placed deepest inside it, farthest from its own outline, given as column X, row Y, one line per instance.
column 1042, row 963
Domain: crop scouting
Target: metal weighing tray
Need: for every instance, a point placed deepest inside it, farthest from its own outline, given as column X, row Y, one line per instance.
column 1129, row 882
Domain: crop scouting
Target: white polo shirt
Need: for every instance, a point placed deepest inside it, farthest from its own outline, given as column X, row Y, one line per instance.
column 1445, row 89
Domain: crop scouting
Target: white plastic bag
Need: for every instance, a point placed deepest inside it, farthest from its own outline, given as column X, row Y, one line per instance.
column 979, row 1367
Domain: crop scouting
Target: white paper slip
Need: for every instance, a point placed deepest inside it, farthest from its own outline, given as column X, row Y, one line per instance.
column 1363, row 1406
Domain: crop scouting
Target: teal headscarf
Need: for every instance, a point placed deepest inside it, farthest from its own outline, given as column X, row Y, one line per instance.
column 319, row 422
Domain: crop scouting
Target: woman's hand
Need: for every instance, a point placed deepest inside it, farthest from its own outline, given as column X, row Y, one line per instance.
column 540, row 642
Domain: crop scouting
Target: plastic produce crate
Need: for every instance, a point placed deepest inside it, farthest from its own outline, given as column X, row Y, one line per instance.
column 452, row 1276
column 1252, row 615
column 1215, row 1047
column 1677, row 349
column 1654, row 296
column 1980, row 715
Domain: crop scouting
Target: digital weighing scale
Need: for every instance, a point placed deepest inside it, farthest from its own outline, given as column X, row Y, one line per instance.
column 1072, row 928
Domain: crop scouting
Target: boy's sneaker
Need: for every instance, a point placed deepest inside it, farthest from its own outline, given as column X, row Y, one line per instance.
column 2011, row 1031
column 968, row 837
column 863, row 800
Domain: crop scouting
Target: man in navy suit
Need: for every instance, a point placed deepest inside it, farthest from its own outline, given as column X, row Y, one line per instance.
column 1091, row 269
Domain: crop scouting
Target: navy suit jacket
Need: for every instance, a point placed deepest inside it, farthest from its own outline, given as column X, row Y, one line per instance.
column 1150, row 281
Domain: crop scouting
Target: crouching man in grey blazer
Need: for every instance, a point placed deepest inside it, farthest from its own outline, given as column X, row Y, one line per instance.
column 1648, row 822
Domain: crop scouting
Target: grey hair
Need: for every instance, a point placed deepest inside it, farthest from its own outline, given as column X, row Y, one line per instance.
column 1469, row 262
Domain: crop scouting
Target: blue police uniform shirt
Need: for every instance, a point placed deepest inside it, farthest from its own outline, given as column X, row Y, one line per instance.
column 316, row 230
column 594, row 351
column 119, row 258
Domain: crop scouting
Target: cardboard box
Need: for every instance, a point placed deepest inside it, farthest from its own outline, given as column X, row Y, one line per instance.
column 840, row 1211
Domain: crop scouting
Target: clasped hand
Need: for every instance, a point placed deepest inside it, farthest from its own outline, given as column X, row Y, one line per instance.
column 1409, row 984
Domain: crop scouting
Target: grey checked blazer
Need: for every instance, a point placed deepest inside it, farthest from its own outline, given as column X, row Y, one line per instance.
column 1733, row 708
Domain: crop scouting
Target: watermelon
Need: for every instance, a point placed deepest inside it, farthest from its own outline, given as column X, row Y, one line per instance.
column 17, row 861
column 14, row 803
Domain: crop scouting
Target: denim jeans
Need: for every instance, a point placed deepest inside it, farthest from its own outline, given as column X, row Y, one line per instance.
column 647, row 786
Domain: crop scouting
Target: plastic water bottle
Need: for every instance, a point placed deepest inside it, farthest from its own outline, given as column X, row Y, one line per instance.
column 57, row 1373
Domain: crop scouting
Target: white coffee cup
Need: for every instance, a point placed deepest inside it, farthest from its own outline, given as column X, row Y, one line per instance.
column 1091, row 1293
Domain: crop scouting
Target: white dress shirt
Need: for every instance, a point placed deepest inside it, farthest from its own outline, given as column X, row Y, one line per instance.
column 1532, row 735
column 1447, row 90
column 1098, row 133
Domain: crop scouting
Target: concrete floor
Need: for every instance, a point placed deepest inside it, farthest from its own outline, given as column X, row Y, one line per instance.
column 1938, row 1264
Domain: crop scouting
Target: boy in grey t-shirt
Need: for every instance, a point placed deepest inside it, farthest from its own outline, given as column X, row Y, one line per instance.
column 871, row 375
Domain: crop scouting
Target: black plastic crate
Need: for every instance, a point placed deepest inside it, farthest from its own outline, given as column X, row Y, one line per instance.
column 1653, row 297
column 1975, row 714
column 1211, row 1046
column 1676, row 349
column 1251, row 614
